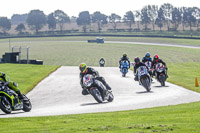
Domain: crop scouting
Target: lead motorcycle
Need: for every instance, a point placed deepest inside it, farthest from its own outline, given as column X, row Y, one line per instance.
column 160, row 73
column 124, row 68
column 99, row 93
column 144, row 78
column 9, row 100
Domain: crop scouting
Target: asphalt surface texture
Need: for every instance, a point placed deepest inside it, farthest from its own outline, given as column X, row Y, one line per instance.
column 60, row 94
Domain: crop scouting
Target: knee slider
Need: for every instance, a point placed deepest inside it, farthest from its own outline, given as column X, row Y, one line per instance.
column 15, row 84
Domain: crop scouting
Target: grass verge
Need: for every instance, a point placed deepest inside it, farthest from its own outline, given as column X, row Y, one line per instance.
column 27, row 76
column 183, row 118
column 183, row 74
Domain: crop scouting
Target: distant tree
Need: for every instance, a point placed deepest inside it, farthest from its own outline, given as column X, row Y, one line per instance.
column 167, row 10
column 36, row 20
column 20, row 28
column 83, row 20
column 160, row 19
column 61, row 18
column 183, row 16
column 145, row 18
column 189, row 16
column 138, row 17
column 152, row 13
column 5, row 24
column 197, row 16
column 51, row 21
column 19, row 18
column 114, row 19
column 176, row 17
column 100, row 19
column 129, row 19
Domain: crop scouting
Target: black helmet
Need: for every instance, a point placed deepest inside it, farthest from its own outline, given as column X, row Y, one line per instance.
column 124, row 55
column 137, row 60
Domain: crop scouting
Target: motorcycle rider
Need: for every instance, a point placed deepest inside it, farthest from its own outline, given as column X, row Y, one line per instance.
column 157, row 60
column 124, row 58
column 12, row 85
column 137, row 65
column 88, row 70
column 102, row 62
column 147, row 57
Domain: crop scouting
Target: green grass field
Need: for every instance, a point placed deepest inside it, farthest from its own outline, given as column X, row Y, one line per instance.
column 56, row 51
column 183, row 118
column 27, row 76
column 183, row 64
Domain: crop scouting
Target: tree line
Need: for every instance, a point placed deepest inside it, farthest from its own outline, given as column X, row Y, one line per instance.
column 166, row 14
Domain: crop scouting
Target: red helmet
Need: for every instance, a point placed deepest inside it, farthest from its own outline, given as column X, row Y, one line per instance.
column 156, row 57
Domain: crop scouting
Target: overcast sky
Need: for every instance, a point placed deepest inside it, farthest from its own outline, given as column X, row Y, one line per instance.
column 74, row 7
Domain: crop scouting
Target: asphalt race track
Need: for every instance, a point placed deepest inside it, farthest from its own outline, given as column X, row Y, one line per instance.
column 60, row 93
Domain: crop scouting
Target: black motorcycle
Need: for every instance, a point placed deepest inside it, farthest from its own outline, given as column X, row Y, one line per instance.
column 9, row 100
column 160, row 73
column 101, row 62
column 99, row 93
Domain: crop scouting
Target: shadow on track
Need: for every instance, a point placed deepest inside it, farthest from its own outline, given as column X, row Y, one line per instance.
column 86, row 104
column 12, row 113
column 141, row 92
column 160, row 86
column 126, row 77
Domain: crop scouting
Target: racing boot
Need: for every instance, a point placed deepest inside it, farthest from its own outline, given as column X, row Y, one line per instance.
column 107, row 86
column 20, row 95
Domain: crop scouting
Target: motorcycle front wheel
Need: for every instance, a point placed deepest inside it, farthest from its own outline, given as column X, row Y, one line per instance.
column 146, row 84
column 162, row 80
column 96, row 94
column 26, row 104
column 111, row 97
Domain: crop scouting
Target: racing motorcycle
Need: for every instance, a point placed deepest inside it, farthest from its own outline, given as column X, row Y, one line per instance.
column 144, row 78
column 148, row 64
column 124, row 68
column 9, row 100
column 160, row 73
column 99, row 93
column 101, row 62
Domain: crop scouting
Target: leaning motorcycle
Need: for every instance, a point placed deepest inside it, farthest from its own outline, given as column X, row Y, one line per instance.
column 124, row 68
column 160, row 73
column 99, row 93
column 144, row 78
column 9, row 100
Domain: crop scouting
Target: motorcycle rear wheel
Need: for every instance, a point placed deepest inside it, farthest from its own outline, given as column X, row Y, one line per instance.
column 5, row 105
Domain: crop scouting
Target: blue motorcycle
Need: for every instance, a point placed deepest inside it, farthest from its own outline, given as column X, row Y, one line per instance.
column 124, row 68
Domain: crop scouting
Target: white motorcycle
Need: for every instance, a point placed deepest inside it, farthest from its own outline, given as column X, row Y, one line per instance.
column 97, row 89
column 144, row 77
